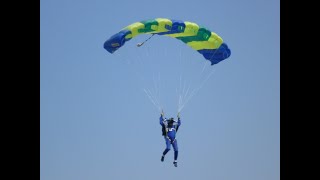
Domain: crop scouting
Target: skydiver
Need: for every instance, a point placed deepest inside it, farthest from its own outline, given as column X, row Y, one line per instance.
column 169, row 129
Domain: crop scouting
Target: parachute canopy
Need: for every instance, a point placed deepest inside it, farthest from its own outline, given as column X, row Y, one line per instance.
column 199, row 38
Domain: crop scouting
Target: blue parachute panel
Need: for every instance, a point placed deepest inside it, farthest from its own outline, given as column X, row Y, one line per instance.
column 216, row 55
column 177, row 27
column 116, row 41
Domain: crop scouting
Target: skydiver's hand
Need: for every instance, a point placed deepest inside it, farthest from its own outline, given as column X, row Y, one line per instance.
column 162, row 113
column 178, row 115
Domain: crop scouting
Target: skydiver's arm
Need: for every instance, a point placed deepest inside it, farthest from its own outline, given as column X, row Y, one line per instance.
column 178, row 125
column 179, row 121
column 161, row 120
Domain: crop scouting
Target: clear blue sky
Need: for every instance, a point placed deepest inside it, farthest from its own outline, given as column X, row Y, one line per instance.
column 97, row 122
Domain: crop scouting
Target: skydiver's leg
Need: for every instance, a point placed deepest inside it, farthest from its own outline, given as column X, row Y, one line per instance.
column 175, row 148
column 168, row 144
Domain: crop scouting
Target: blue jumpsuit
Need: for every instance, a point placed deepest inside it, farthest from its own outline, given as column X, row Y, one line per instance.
column 170, row 136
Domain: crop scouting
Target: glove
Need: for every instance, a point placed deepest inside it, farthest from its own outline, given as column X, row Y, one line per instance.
column 178, row 115
column 162, row 113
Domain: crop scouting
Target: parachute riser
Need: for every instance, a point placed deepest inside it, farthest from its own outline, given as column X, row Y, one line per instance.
column 140, row 44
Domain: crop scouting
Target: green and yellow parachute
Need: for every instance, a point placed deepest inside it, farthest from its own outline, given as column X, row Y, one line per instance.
column 199, row 38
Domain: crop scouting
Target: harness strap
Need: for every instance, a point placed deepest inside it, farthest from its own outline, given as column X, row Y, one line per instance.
column 172, row 141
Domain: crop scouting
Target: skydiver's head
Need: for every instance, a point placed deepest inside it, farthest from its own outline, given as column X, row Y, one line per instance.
column 170, row 122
